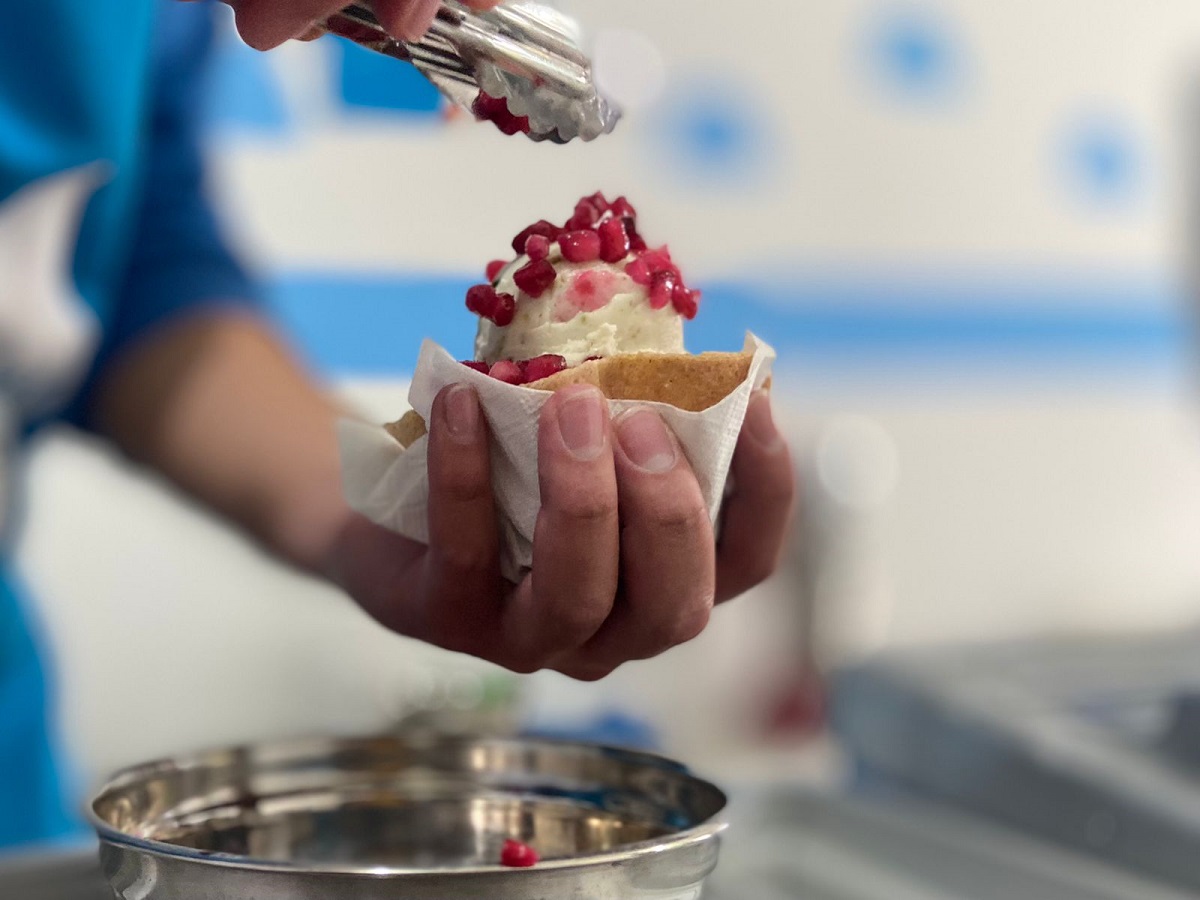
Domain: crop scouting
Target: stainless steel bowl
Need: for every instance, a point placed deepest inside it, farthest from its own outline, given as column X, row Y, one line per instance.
column 408, row 818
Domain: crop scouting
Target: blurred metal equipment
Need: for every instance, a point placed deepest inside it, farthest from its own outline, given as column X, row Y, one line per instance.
column 521, row 52
column 1092, row 744
column 795, row 845
column 420, row 817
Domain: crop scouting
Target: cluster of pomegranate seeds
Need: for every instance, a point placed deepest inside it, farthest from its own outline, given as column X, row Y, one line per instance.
column 597, row 230
column 655, row 270
column 548, row 230
column 495, row 110
column 515, row 855
column 485, row 301
column 526, row 371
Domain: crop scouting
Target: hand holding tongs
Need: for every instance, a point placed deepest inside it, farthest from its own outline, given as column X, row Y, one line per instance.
column 509, row 52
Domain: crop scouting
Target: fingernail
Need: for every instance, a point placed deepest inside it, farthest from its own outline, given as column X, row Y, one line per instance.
column 760, row 422
column 417, row 18
column 462, row 414
column 645, row 439
column 581, row 421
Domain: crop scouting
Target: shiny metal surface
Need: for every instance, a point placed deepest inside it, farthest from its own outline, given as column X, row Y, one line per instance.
column 408, row 817
column 514, row 51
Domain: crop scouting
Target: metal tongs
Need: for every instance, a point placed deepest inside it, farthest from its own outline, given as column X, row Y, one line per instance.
column 510, row 52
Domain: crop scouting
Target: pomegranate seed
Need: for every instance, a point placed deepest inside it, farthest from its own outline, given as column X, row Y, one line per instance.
column 614, row 241
column 535, row 277
column 580, row 246
column 593, row 358
column 542, row 367
column 542, row 227
column 637, row 243
column 487, row 107
column 516, row 855
column 659, row 260
column 496, row 111
column 623, row 209
column 586, row 216
column 599, row 202
column 641, row 273
column 481, row 299
column 494, row 268
column 687, row 303
column 537, row 246
column 507, row 371
column 661, row 289
column 477, row 366
column 504, row 310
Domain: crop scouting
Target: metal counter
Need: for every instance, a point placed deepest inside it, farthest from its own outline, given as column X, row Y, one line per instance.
column 792, row 845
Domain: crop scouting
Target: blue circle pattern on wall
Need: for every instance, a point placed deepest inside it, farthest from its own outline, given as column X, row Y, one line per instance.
column 915, row 55
column 1104, row 165
column 714, row 133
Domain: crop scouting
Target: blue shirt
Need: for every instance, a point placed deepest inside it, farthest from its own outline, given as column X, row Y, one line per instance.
column 116, row 87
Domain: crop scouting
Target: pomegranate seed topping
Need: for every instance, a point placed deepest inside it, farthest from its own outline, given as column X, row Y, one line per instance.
column 494, row 268
column 637, row 243
column 507, row 371
column 486, row 106
column 599, row 202
column 535, row 277
column 516, row 855
column 537, row 246
column 542, row 227
column 496, row 111
column 586, row 216
column 481, row 299
column 659, row 260
column 639, row 270
column 504, row 310
column 614, row 240
column 622, row 208
column 580, row 246
column 542, row 367
column 687, row 303
column 477, row 366
column 661, row 289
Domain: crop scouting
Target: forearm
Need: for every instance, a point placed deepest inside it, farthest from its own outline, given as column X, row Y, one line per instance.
column 217, row 404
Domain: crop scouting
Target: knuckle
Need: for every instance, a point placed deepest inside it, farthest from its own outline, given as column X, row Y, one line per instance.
column 522, row 665
column 688, row 625
column 589, row 673
column 465, row 556
column 760, row 570
column 575, row 622
column 460, row 483
column 680, row 520
column 585, row 504
column 691, row 625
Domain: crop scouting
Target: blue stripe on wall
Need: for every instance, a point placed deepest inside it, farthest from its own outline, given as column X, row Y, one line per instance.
column 355, row 325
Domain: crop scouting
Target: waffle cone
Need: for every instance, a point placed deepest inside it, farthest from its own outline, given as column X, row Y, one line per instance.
column 689, row 382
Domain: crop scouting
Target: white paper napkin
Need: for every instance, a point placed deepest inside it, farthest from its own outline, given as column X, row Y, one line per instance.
column 389, row 485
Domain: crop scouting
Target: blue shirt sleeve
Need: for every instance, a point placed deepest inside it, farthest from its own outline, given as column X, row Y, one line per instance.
column 179, row 260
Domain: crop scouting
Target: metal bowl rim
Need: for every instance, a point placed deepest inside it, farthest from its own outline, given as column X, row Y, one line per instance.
column 698, row 834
